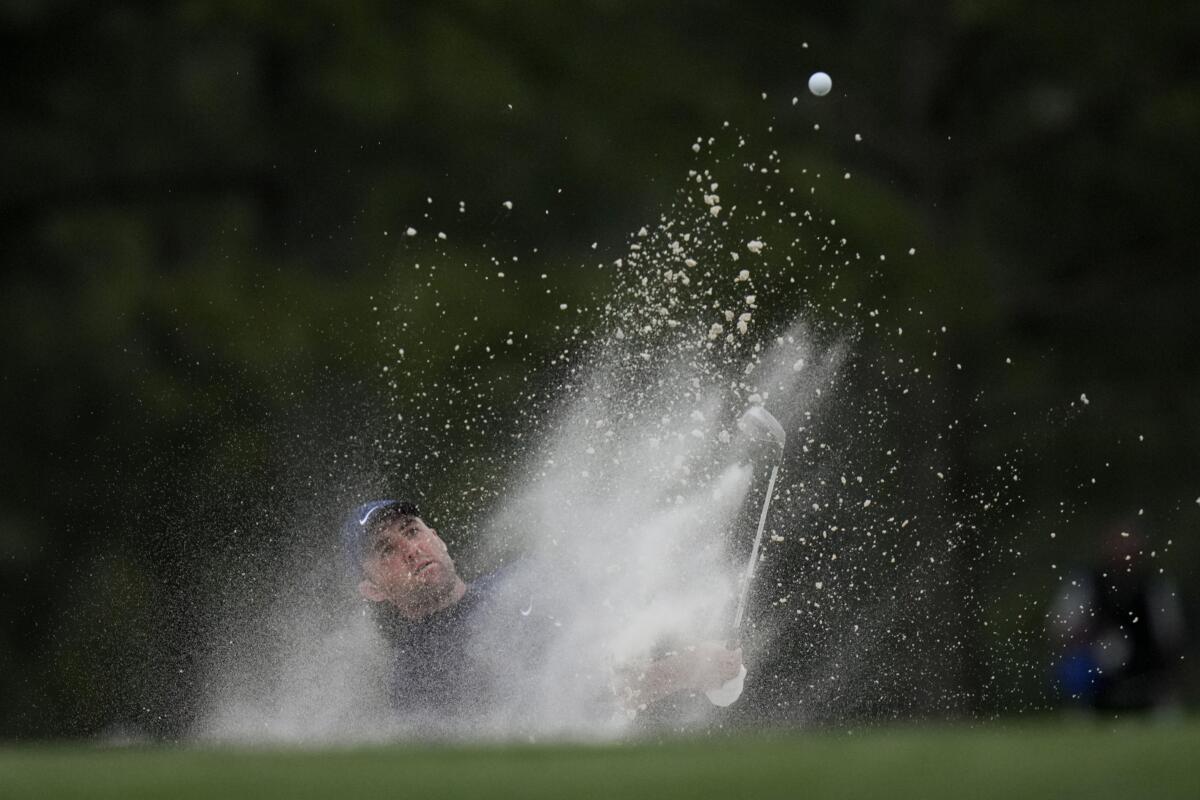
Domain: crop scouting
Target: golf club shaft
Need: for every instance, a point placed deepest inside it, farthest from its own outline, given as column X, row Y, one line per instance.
column 762, row 525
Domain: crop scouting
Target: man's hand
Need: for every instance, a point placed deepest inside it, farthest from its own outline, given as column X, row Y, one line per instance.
column 709, row 665
column 700, row 667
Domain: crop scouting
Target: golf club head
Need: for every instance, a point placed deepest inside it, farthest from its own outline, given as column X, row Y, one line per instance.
column 764, row 432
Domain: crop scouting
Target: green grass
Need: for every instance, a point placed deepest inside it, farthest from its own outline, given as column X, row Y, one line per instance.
column 1047, row 760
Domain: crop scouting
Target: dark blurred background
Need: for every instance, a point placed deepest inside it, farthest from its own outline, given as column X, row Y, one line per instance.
column 201, row 201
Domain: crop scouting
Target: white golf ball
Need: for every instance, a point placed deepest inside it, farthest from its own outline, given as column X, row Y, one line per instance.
column 820, row 83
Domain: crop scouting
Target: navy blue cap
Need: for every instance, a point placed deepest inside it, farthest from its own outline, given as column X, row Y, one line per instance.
column 356, row 530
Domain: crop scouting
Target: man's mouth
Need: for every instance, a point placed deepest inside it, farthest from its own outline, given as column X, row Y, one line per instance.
column 424, row 566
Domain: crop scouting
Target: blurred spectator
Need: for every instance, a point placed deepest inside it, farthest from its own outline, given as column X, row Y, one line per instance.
column 1119, row 630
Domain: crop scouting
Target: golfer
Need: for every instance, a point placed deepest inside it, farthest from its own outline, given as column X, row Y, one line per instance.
column 434, row 621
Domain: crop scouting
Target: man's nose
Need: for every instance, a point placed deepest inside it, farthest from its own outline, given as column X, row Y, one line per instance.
column 412, row 552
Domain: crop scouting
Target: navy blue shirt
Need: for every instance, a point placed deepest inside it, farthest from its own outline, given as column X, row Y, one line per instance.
column 463, row 661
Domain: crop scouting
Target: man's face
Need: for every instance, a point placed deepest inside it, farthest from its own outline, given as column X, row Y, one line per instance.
column 407, row 565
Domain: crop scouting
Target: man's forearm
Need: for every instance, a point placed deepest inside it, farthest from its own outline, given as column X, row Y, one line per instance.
column 655, row 680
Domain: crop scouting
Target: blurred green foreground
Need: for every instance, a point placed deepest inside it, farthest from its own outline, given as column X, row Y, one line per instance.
column 1060, row 761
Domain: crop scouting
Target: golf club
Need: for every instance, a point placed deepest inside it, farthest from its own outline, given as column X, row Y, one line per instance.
column 767, row 440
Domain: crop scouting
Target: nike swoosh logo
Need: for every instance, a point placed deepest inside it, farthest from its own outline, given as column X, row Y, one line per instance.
column 371, row 511
column 525, row 612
